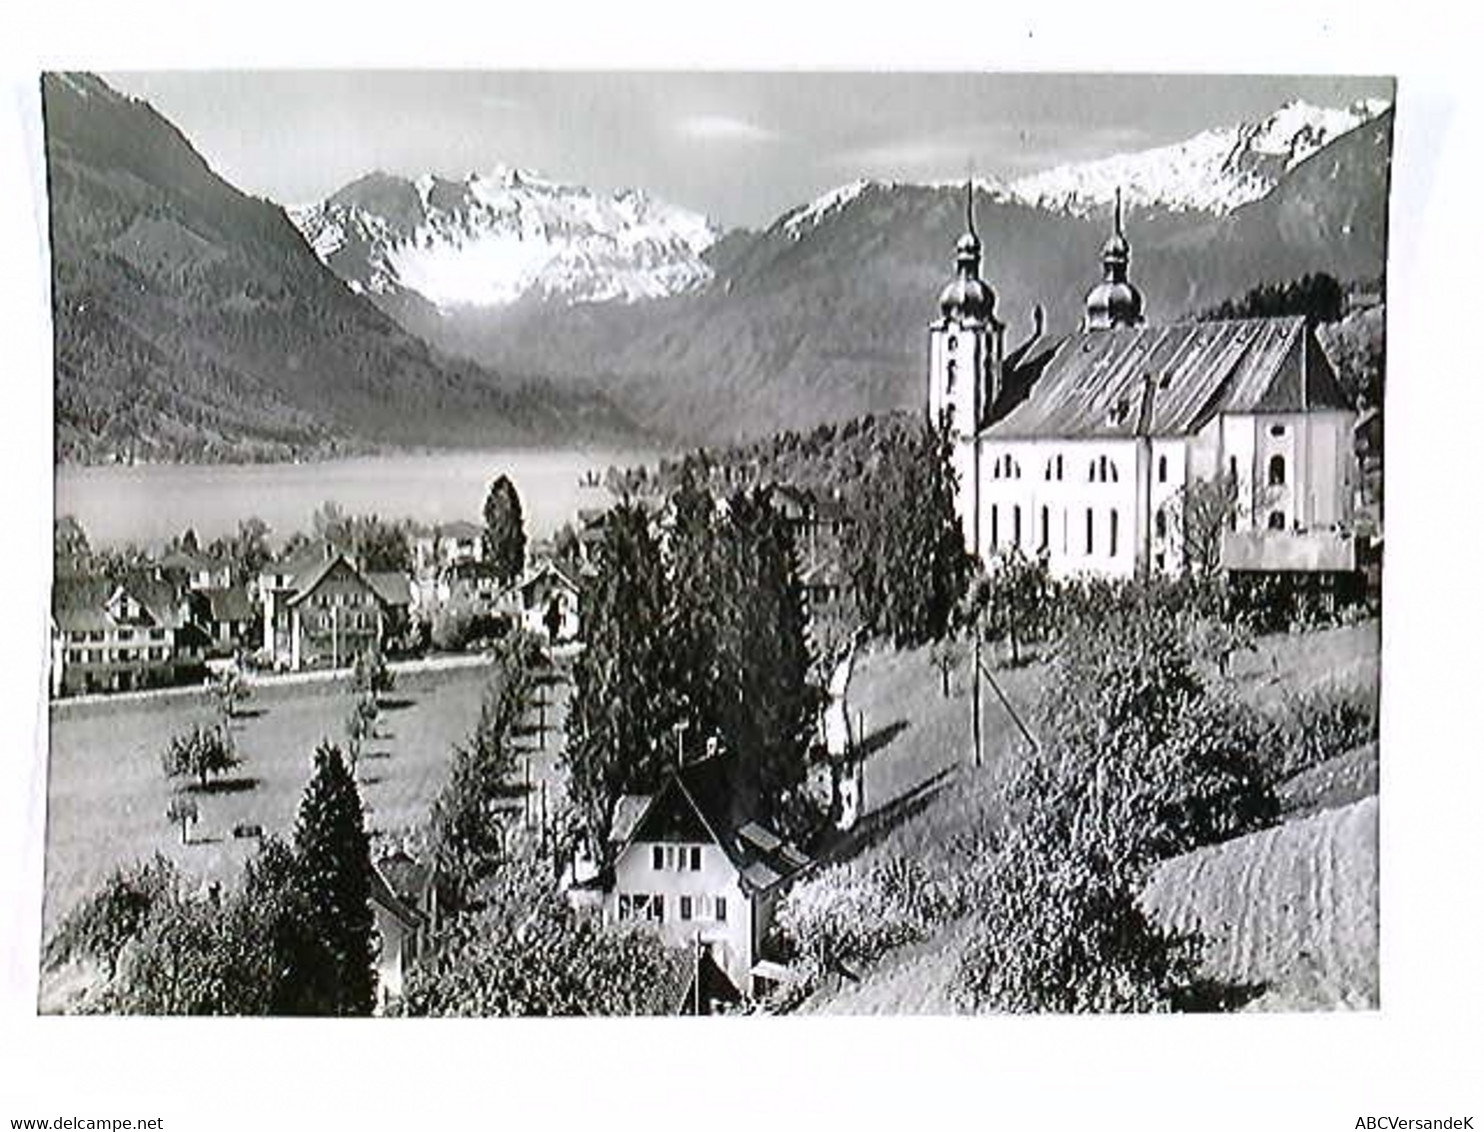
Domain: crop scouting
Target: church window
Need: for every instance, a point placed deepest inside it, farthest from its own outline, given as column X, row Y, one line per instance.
column 1088, row 549
column 952, row 343
column 1277, row 430
column 1277, row 471
column 1092, row 471
column 994, row 527
column 1164, row 468
column 1160, row 524
column 1276, row 520
column 1232, row 469
column 1045, row 528
column 1113, row 534
column 952, row 375
column 1016, row 522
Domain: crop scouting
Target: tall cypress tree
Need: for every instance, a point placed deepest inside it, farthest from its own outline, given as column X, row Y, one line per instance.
column 765, row 706
column 334, row 862
column 912, row 566
column 620, row 706
column 504, row 530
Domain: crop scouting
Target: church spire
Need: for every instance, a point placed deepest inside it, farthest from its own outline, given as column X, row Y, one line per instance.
column 1115, row 301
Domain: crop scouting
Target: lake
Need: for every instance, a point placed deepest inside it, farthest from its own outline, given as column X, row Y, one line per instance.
column 151, row 503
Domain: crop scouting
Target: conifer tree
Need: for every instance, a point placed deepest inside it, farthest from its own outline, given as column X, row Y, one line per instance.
column 621, row 705
column 764, row 707
column 912, row 568
column 333, row 856
column 504, row 530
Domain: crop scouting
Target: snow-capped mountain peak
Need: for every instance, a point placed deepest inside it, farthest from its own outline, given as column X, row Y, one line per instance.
column 489, row 239
column 1215, row 171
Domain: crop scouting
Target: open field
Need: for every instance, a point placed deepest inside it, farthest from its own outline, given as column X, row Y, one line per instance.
column 1292, row 912
column 106, row 795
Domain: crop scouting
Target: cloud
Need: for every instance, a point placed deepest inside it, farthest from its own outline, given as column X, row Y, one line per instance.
column 720, row 127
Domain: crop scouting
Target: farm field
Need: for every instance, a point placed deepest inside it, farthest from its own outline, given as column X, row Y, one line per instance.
column 107, row 795
column 1291, row 912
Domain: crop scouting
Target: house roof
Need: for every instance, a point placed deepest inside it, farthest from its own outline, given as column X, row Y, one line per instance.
column 230, row 604
column 459, row 529
column 551, row 568
column 406, row 877
column 305, row 584
column 1171, row 380
column 82, row 603
column 701, row 800
column 626, row 816
column 392, row 587
column 382, row 893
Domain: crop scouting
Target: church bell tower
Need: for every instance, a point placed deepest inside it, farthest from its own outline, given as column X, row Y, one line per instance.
column 964, row 343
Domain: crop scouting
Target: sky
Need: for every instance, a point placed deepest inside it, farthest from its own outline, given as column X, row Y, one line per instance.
column 740, row 147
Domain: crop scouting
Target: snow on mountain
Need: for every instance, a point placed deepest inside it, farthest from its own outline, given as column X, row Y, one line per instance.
column 491, row 239
column 806, row 216
column 1216, row 171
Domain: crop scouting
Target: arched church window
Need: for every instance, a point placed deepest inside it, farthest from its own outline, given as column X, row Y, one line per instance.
column 1016, row 522
column 1113, row 534
column 994, row 527
column 1089, row 531
column 1276, row 520
column 952, row 375
column 1161, row 525
column 1277, row 472
column 1164, row 469
column 1045, row 542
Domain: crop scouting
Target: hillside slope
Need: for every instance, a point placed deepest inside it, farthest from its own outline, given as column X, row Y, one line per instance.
column 192, row 321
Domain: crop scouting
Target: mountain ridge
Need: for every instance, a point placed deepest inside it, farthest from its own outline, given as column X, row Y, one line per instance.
column 191, row 321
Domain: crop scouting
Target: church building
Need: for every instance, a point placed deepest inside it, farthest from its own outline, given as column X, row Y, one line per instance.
column 1084, row 450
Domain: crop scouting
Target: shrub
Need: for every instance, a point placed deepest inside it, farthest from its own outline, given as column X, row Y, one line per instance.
column 1059, row 931
column 1320, row 725
column 842, row 917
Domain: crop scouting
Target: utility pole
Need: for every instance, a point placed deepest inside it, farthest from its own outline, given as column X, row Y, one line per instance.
column 978, row 737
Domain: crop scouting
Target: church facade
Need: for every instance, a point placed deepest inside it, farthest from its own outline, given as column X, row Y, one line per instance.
column 1086, row 450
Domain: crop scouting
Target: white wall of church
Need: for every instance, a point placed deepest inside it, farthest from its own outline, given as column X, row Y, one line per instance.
column 1077, row 499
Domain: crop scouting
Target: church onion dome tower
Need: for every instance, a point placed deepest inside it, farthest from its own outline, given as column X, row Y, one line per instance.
column 967, row 298
column 1115, row 301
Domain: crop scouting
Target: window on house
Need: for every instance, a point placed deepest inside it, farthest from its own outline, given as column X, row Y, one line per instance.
column 625, row 906
column 659, row 857
column 1277, row 471
column 685, row 908
column 1160, row 524
column 1113, row 534
column 695, row 858
column 1276, row 520
column 1089, row 531
column 721, row 909
column 657, row 908
column 1164, row 469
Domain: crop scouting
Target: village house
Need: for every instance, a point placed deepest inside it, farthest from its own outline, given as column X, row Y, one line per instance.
column 547, row 602
column 694, row 868
column 320, row 610
column 1083, row 450
column 225, row 616
column 118, row 636
column 404, row 909
column 447, row 544
column 193, row 570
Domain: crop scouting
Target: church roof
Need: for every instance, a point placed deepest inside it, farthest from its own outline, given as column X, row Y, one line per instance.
column 1096, row 383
